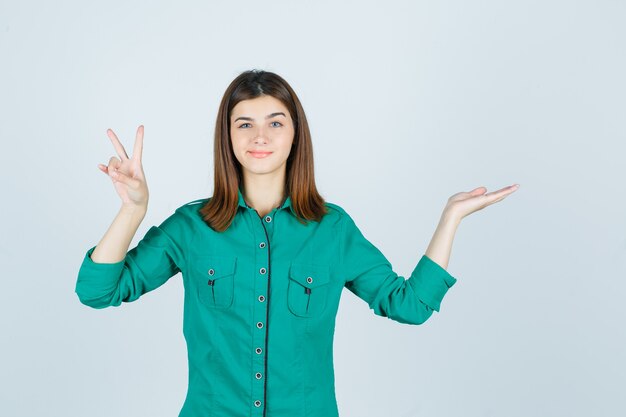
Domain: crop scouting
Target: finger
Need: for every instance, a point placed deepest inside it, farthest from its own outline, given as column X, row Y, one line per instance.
column 503, row 191
column 138, row 149
column 114, row 164
column 103, row 168
column 125, row 179
column 478, row 190
column 499, row 199
column 119, row 148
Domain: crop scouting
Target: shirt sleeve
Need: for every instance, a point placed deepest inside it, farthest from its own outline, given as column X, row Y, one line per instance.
column 157, row 257
column 370, row 276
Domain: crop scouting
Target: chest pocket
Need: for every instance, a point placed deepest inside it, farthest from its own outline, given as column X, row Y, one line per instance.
column 307, row 290
column 216, row 280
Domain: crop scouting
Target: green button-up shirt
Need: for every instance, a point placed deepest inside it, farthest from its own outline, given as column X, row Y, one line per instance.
column 261, row 300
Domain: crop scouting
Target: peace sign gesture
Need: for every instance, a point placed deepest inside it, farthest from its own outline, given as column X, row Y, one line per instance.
column 127, row 173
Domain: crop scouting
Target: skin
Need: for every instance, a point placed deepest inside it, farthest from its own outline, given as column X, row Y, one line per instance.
column 256, row 126
column 129, row 181
column 263, row 179
column 457, row 207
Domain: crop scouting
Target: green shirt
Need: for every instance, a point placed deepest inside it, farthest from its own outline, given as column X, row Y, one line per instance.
column 261, row 300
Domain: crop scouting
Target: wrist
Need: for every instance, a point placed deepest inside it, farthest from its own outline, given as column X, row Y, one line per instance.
column 449, row 218
column 134, row 210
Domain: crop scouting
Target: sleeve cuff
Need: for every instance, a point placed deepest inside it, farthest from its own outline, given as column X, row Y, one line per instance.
column 101, row 266
column 431, row 282
column 94, row 277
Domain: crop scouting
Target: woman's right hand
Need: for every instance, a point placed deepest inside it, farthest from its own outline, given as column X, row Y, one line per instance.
column 127, row 173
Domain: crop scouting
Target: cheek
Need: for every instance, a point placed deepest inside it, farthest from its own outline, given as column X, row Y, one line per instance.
column 238, row 144
column 286, row 139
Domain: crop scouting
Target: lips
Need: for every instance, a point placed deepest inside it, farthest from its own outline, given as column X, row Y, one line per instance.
column 259, row 154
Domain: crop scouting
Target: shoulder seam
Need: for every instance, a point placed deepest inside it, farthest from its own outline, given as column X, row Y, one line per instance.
column 194, row 202
column 187, row 207
column 336, row 207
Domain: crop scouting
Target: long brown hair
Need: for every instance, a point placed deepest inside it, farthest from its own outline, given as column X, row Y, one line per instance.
column 306, row 202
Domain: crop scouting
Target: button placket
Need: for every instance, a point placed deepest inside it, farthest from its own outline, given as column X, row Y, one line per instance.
column 263, row 231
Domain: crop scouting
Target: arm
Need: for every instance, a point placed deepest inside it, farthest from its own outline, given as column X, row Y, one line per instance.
column 457, row 207
column 109, row 275
column 114, row 244
column 370, row 276
column 441, row 243
column 158, row 256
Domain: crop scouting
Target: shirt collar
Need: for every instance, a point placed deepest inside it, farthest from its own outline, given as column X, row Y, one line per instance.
column 286, row 202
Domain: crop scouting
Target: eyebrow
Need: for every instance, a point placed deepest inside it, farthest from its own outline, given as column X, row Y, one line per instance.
column 269, row 116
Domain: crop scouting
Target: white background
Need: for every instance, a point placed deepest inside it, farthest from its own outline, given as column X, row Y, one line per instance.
column 409, row 102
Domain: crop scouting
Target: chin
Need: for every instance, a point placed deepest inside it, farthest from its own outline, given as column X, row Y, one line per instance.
column 258, row 171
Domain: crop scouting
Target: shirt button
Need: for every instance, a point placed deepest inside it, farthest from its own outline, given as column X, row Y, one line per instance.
column 309, row 280
column 211, row 271
column 262, row 245
column 268, row 219
column 258, row 351
column 257, row 403
column 259, row 325
column 258, row 375
column 262, row 270
column 261, row 298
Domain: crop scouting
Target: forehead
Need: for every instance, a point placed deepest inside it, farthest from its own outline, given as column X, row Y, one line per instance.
column 259, row 107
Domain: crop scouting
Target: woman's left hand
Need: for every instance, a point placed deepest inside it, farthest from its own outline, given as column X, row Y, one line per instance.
column 464, row 203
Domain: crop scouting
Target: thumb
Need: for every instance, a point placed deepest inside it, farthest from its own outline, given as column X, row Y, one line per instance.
column 479, row 190
column 119, row 176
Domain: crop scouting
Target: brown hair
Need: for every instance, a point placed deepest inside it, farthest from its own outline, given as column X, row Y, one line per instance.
column 306, row 202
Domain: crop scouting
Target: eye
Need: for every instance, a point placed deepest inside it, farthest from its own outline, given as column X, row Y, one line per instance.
column 243, row 124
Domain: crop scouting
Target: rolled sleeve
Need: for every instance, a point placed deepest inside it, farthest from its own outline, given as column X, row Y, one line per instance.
column 157, row 257
column 431, row 282
column 370, row 276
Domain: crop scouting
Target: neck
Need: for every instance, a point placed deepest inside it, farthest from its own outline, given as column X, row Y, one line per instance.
column 263, row 194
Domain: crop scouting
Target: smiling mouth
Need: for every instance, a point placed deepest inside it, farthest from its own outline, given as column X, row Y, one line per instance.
column 259, row 154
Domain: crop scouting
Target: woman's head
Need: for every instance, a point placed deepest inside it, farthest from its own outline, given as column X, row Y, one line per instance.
column 261, row 135
column 254, row 95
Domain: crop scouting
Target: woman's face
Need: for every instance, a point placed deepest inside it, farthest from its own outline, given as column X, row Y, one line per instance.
column 261, row 133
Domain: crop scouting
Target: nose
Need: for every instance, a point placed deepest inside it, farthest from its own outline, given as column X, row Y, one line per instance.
column 260, row 137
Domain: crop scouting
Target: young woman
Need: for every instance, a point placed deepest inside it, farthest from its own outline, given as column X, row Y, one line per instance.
column 264, row 261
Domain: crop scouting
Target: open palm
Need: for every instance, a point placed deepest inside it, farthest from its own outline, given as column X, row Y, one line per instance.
column 127, row 173
column 464, row 203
